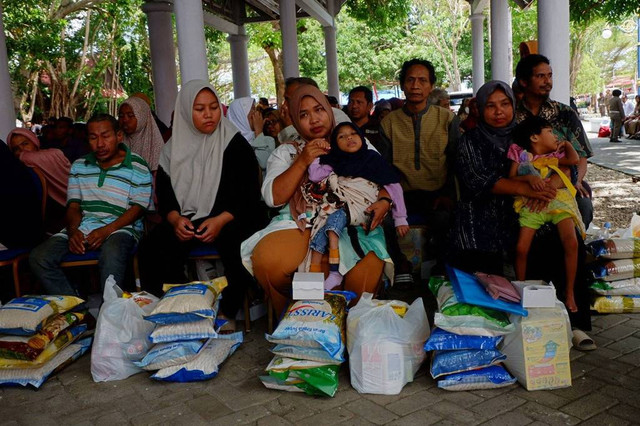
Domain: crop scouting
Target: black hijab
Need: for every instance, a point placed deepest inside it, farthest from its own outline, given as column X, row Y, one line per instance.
column 364, row 163
column 499, row 136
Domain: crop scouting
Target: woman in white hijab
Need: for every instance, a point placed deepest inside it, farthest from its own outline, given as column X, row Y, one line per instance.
column 141, row 133
column 208, row 192
column 242, row 112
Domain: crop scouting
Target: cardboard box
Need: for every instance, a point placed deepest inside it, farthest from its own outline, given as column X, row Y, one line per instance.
column 308, row 286
column 538, row 350
column 536, row 294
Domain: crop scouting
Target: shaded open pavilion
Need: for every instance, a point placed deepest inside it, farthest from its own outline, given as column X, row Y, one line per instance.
column 231, row 16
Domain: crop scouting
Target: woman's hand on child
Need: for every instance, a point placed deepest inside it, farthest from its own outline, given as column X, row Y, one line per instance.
column 402, row 230
column 380, row 209
column 536, row 182
column 313, row 150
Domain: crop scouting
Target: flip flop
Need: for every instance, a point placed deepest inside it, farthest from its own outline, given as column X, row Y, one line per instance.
column 582, row 342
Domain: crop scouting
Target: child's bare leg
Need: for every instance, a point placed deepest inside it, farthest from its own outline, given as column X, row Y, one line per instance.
column 335, row 278
column 316, row 261
column 567, row 231
column 522, row 251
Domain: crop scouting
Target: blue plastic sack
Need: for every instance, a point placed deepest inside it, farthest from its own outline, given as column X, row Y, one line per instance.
column 491, row 377
column 315, row 323
column 206, row 364
column 169, row 354
column 442, row 340
column 449, row 362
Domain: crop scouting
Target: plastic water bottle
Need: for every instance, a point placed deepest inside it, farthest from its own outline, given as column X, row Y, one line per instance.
column 605, row 232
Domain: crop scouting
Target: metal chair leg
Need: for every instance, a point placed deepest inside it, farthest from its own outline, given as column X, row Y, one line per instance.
column 247, row 313
column 16, row 276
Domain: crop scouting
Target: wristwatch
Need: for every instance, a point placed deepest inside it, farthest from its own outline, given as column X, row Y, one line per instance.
column 387, row 199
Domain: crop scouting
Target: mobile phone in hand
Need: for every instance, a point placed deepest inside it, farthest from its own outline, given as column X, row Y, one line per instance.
column 367, row 225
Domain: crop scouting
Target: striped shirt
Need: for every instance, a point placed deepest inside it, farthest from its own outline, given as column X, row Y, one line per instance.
column 105, row 194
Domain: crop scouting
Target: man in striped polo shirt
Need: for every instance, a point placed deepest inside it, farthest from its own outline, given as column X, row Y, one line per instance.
column 109, row 191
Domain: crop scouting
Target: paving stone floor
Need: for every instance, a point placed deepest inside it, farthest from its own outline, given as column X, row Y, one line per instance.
column 606, row 390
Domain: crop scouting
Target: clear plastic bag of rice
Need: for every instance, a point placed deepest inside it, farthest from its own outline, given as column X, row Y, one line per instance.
column 188, row 302
column 206, row 364
column 25, row 316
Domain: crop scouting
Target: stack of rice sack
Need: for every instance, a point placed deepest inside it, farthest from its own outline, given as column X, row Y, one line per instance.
column 616, row 275
column 39, row 336
column 310, row 346
column 187, row 346
column 385, row 340
column 464, row 343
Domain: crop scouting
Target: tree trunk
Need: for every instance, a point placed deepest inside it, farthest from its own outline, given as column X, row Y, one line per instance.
column 276, row 60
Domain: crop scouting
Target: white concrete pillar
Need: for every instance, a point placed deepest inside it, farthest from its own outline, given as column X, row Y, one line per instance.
column 7, row 111
column 553, row 42
column 501, row 56
column 163, row 57
column 331, row 50
column 289, row 31
column 240, row 64
column 477, row 49
column 191, row 45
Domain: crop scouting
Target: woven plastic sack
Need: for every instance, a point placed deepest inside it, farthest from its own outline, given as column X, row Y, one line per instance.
column 614, row 270
column 122, row 335
column 616, row 304
column 25, row 316
column 492, row 377
column 615, row 248
column 442, row 340
column 169, row 354
column 206, row 364
column 188, row 302
column 449, row 362
column 385, row 349
column 37, row 376
column 313, row 378
column 617, row 288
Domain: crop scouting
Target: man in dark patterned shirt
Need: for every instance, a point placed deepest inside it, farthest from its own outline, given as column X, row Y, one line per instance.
column 534, row 75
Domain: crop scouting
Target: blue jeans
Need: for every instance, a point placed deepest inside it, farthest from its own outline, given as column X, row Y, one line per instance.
column 336, row 222
column 45, row 260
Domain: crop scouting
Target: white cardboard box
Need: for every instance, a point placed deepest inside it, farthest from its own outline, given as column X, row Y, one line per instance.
column 308, row 286
column 536, row 293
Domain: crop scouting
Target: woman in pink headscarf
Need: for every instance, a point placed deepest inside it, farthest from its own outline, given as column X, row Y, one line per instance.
column 141, row 133
column 54, row 166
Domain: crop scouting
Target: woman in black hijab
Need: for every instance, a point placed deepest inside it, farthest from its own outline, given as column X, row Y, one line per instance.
column 485, row 224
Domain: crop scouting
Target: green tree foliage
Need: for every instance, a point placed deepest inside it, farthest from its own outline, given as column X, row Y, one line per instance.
column 379, row 13
column 74, row 57
column 609, row 10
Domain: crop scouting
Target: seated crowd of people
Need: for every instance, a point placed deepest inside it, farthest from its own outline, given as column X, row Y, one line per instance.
column 310, row 187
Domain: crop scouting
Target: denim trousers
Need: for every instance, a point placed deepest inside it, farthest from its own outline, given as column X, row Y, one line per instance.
column 45, row 260
column 336, row 222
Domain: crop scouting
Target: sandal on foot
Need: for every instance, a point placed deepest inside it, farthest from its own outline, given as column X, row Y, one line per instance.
column 582, row 342
column 403, row 282
column 228, row 328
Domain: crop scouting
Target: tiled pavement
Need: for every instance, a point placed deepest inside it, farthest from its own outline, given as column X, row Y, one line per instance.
column 606, row 390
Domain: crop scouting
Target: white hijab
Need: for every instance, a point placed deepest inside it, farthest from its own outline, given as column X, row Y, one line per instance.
column 238, row 114
column 192, row 159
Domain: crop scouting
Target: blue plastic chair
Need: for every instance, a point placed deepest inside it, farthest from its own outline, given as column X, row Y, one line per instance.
column 92, row 257
column 210, row 252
